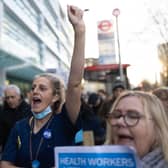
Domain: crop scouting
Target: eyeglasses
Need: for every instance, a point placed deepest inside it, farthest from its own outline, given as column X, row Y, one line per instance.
column 131, row 118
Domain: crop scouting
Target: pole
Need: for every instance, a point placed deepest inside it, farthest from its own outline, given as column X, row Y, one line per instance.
column 119, row 55
column 116, row 13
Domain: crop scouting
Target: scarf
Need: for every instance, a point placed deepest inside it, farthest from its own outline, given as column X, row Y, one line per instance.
column 154, row 159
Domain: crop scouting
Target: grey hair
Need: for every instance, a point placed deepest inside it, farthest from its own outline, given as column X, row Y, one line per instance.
column 13, row 87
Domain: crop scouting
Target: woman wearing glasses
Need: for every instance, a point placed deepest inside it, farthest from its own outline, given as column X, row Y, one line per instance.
column 138, row 119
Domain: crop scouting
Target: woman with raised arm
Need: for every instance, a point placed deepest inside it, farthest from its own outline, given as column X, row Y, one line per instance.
column 32, row 141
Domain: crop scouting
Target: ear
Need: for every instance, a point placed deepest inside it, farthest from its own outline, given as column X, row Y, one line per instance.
column 55, row 98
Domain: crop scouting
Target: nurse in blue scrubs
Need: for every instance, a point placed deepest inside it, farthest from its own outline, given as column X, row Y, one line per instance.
column 32, row 141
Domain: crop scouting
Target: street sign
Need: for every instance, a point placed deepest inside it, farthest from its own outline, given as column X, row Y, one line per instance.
column 116, row 12
column 106, row 41
column 105, row 26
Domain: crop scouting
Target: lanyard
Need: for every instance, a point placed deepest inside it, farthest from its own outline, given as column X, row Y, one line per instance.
column 41, row 140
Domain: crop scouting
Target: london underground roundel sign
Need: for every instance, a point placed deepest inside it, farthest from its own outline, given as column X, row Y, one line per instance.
column 105, row 25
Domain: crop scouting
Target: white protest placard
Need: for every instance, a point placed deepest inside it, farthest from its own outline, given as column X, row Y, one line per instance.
column 113, row 156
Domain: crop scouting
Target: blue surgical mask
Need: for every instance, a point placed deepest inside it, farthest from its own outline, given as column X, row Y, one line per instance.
column 42, row 114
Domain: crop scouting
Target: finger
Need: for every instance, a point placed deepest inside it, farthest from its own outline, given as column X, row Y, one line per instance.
column 75, row 11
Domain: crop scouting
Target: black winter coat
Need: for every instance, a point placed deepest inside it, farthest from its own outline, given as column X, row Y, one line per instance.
column 8, row 118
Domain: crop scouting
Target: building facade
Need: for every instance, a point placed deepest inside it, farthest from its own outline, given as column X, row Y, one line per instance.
column 35, row 36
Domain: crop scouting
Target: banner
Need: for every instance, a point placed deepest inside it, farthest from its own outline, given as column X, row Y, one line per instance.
column 96, row 157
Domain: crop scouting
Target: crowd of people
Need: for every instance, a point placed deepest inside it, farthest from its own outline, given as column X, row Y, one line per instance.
column 55, row 114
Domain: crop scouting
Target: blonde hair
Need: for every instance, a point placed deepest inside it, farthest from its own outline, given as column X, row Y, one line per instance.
column 58, row 88
column 152, row 107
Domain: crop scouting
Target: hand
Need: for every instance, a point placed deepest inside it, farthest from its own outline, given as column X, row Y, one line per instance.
column 75, row 16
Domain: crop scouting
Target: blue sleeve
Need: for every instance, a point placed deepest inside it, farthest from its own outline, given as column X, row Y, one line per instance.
column 11, row 147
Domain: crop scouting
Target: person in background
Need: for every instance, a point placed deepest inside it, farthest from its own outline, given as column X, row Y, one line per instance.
column 138, row 119
column 14, row 108
column 31, row 142
column 162, row 94
column 95, row 101
column 90, row 121
column 102, row 93
column 117, row 88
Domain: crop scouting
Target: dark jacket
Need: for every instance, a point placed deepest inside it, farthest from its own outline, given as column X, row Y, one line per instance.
column 89, row 121
column 8, row 118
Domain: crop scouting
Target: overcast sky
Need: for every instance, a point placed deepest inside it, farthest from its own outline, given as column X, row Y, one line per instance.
column 139, row 34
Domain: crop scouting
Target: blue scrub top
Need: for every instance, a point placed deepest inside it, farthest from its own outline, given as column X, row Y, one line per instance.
column 17, row 149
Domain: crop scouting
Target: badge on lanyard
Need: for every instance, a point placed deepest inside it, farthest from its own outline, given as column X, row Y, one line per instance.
column 47, row 134
column 35, row 164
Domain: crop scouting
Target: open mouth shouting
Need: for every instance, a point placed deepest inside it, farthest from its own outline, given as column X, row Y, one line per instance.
column 36, row 103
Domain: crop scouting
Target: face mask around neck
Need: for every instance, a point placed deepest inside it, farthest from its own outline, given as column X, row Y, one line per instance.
column 42, row 114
